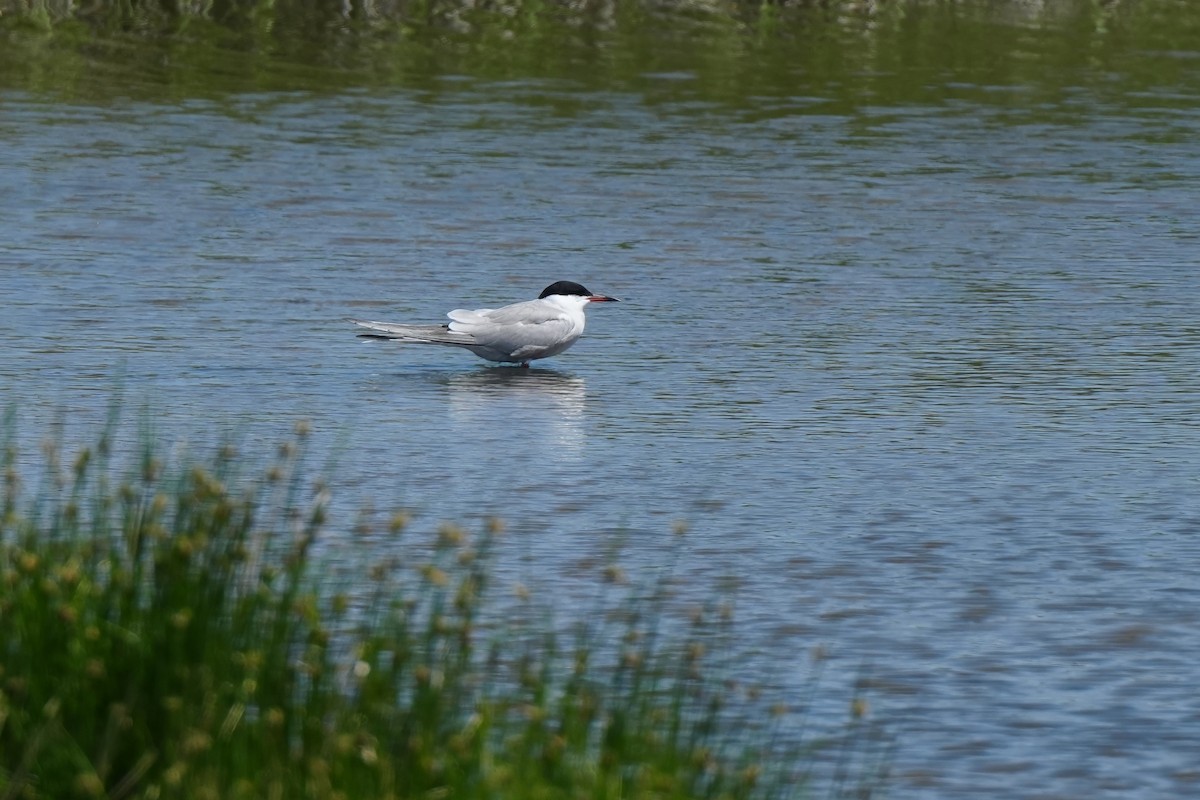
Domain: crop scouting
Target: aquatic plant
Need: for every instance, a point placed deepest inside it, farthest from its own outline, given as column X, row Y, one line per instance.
column 849, row 51
column 459, row 16
column 171, row 630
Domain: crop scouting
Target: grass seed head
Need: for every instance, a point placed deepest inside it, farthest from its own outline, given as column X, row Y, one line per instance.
column 434, row 575
column 174, row 775
column 614, row 574
column 51, row 709
column 859, row 708
column 151, row 470
column 451, row 536
column 196, row 742
column 89, row 783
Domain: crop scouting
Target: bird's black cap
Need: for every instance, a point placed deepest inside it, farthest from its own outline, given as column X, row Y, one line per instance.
column 564, row 287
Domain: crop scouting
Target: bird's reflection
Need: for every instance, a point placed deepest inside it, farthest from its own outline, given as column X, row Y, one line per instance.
column 536, row 400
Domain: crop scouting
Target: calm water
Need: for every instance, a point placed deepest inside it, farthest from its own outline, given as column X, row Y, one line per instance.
column 922, row 373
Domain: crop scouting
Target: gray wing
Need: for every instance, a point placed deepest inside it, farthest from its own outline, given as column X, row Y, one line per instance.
column 523, row 329
column 428, row 334
column 531, row 312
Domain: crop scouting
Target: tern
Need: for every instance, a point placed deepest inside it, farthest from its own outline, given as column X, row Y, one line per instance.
column 514, row 334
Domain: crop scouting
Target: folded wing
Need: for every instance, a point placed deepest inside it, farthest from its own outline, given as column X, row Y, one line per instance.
column 522, row 330
column 429, row 334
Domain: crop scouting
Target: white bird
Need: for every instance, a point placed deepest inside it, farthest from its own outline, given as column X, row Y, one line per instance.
column 516, row 334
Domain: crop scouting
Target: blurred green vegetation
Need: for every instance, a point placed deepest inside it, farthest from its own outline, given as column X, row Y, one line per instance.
column 736, row 48
column 171, row 630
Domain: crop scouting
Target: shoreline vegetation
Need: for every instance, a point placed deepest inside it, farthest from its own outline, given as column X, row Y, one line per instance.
column 458, row 14
column 732, row 48
column 175, row 629
column 411, row 17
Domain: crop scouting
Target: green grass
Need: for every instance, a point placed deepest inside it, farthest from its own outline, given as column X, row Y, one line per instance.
column 324, row 19
column 167, row 631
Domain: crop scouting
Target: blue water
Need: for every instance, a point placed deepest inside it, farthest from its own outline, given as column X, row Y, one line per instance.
column 923, row 380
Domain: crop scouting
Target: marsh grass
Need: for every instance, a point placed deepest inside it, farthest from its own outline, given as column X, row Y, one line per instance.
column 167, row 632
column 326, row 20
column 846, row 51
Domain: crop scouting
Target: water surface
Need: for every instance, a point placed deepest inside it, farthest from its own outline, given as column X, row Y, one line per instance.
column 914, row 354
